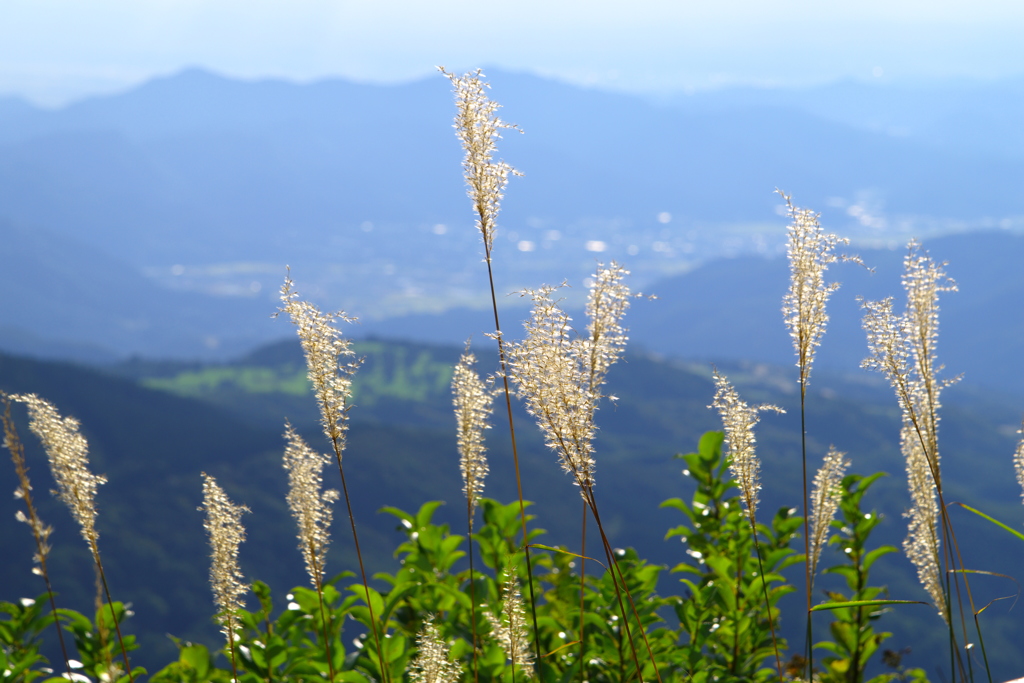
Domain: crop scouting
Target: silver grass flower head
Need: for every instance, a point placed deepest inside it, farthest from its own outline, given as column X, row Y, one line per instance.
column 560, row 374
column 431, row 663
column 922, row 544
column 325, row 349
column 811, row 250
column 607, row 303
column 310, row 505
column 738, row 421
column 1018, row 459
column 888, row 342
column 826, row 495
column 224, row 529
column 924, row 280
column 509, row 627
column 473, row 407
column 903, row 348
column 68, row 453
column 548, row 375
column 478, row 128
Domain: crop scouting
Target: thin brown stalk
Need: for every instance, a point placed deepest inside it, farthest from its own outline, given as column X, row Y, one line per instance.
column 472, row 592
column 478, row 128
column 40, row 532
column 810, row 252
column 331, row 376
column 903, row 348
column 583, row 592
column 560, row 375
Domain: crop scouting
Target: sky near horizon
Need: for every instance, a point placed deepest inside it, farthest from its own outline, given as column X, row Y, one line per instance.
column 53, row 51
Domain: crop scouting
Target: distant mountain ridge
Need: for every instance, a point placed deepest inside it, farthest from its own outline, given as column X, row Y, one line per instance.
column 211, row 186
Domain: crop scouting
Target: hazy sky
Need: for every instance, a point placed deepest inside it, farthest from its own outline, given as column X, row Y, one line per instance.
column 53, row 50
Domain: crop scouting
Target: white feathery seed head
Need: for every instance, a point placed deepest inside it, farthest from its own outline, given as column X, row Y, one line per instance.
column 826, row 495
column 509, row 627
column 1018, row 459
column 478, row 128
column 325, row 349
column 473, row 407
column 224, row 528
column 811, row 250
column 560, row 373
column 903, row 348
column 738, row 421
column 68, row 453
column 922, row 543
column 310, row 505
column 431, row 663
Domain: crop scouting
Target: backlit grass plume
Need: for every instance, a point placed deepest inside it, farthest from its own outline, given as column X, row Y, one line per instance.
column 331, row 376
column 738, row 421
column 811, row 251
column 473, row 407
column 922, row 544
column 224, row 529
column 509, row 626
column 325, row 349
column 903, row 349
column 68, row 453
column 478, row 128
column 1018, row 459
column 311, row 508
column 431, row 664
column 825, row 499
column 560, row 374
column 40, row 531
column 309, row 504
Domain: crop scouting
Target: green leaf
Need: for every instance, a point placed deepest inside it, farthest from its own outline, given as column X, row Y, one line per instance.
column 198, row 657
column 864, row 603
column 993, row 520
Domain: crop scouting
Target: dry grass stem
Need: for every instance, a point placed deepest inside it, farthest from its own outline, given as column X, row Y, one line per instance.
column 40, row 531
column 224, row 528
column 432, row 663
column 473, row 407
column 825, row 498
column 738, row 420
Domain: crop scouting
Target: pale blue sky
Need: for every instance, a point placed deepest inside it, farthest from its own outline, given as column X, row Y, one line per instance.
column 54, row 50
